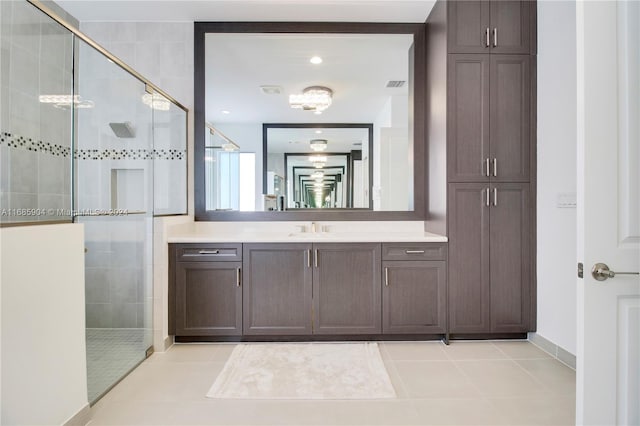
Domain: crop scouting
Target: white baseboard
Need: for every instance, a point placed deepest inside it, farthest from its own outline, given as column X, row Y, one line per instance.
column 552, row 349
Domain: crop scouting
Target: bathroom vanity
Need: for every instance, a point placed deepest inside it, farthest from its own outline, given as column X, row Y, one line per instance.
column 312, row 286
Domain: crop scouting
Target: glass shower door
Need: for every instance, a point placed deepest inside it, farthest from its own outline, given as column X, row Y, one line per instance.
column 113, row 198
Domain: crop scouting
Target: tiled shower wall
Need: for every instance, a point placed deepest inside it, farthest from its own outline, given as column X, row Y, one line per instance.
column 35, row 137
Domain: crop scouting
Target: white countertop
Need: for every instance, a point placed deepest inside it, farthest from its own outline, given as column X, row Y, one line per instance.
column 339, row 232
column 319, row 237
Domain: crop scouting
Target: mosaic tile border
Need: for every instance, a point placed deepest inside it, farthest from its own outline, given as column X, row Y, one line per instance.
column 28, row 144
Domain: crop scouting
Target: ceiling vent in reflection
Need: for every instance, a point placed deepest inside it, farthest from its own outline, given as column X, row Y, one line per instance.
column 394, row 84
column 271, row 90
column 123, row 130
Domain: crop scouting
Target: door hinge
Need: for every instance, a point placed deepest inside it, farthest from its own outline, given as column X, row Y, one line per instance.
column 580, row 270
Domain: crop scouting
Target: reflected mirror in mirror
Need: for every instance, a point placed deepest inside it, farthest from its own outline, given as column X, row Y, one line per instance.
column 318, row 166
column 309, row 81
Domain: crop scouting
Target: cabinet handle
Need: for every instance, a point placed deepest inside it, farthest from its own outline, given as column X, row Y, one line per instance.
column 414, row 251
column 487, row 167
column 495, row 167
column 209, row 252
column 486, row 34
column 309, row 258
column 238, row 277
column 315, row 258
column 487, row 198
column 495, row 196
column 495, row 37
column 386, row 277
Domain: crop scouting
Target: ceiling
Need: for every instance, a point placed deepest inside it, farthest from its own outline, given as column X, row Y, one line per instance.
column 296, row 140
column 356, row 67
column 415, row 11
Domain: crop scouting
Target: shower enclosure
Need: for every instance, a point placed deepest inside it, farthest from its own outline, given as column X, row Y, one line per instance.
column 87, row 139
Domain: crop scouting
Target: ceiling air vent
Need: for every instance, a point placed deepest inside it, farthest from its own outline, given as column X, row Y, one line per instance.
column 395, row 83
column 271, row 90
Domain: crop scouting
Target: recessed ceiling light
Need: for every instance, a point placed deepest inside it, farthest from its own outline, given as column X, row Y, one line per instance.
column 224, row 111
column 316, row 60
column 318, row 132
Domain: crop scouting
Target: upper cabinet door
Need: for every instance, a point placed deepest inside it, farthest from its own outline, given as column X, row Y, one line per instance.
column 510, row 26
column 468, row 118
column 510, row 118
column 500, row 26
column 469, row 27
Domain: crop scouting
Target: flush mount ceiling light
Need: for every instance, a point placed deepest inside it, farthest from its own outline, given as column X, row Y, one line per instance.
column 318, row 144
column 316, row 60
column 314, row 98
column 156, row 101
column 318, row 132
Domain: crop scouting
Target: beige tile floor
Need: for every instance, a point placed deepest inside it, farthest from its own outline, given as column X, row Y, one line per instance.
column 466, row 383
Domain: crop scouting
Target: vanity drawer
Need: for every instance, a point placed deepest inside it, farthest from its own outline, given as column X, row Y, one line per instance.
column 414, row 251
column 208, row 252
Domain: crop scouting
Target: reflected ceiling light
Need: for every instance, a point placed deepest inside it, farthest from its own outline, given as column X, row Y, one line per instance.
column 65, row 101
column 314, row 98
column 316, row 60
column 318, row 159
column 318, row 144
column 318, row 132
column 317, row 175
column 156, row 101
column 224, row 111
column 317, row 112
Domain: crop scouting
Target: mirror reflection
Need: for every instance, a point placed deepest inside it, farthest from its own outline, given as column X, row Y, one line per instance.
column 346, row 100
column 317, row 166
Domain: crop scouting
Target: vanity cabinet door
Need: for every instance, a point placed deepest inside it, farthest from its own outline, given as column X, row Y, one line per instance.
column 347, row 288
column 208, row 299
column 277, row 289
column 414, row 297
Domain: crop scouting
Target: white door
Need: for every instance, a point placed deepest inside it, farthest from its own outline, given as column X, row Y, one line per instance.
column 608, row 353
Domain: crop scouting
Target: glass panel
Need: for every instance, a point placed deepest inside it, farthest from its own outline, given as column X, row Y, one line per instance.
column 170, row 156
column 114, row 200
column 36, row 112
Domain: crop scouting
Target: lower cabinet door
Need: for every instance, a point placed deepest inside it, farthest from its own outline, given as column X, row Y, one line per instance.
column 277, row 289
column 414, row 297
column 208, row 297
column 346, row 288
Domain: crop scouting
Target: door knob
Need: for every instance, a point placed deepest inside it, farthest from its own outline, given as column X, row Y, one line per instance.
column 601, row 272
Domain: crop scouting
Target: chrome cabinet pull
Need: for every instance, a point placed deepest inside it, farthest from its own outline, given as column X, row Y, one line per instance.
column 209, row 252
column 238, row 277
column 495, row 167
column 386, row 277
column 495, row 37
column 486, row 34
column 487, row 167
column 414, row 251
column 601, row 272
column 495, row 196
column 309, row 258
column 315, row 258
column 487, row 198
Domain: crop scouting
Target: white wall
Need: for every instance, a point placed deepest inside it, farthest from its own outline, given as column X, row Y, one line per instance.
column 43, row 336
column 556, row 251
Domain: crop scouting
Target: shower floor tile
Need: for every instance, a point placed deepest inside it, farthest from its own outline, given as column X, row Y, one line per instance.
column 111, row 354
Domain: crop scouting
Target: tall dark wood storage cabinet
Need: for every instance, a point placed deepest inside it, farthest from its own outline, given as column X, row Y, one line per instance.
column 489, row 78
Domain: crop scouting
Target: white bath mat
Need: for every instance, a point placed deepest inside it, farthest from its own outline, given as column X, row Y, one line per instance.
column 304, row 371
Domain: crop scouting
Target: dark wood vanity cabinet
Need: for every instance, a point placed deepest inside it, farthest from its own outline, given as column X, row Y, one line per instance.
column 499, row 26
column 346, row 288
column 490, row 258
column 489, row 118
column 206, row 296
column 277, row 289
column 414, row 290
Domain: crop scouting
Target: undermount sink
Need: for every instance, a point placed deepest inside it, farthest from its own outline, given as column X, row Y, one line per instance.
column 309, row 235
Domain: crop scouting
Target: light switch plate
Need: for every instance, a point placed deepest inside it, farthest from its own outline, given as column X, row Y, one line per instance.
column 566, row 200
